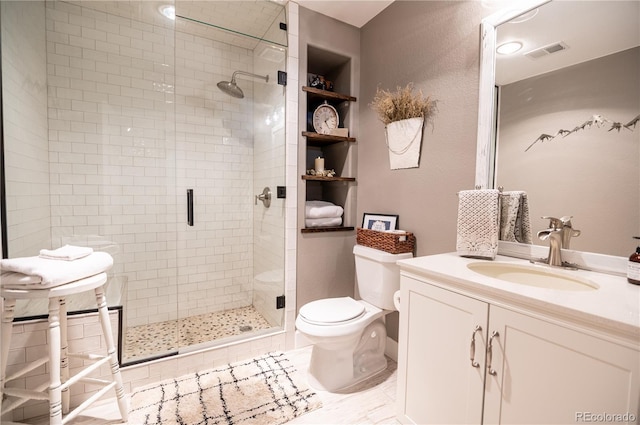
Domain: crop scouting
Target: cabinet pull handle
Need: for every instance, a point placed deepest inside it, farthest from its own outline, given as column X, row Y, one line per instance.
column 492, row 371
column 474, row 363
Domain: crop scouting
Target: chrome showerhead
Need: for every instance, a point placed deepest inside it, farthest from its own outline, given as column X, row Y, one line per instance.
column 232, row 89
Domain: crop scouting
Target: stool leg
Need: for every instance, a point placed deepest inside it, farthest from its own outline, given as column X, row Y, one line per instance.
column 55, row 395
column 64, row 355
column 7, row 330
column 108, row 337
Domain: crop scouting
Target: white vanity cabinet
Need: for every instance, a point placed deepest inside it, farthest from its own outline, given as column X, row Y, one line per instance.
column 538, row 370
column 436, row 382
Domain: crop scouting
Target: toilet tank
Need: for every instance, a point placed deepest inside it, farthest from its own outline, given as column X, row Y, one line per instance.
column 377, row 275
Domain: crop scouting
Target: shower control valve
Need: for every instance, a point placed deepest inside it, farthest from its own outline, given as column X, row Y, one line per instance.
column 265, row 197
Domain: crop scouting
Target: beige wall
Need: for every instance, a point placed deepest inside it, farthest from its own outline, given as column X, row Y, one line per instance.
column 325, row 260
column 435, row 45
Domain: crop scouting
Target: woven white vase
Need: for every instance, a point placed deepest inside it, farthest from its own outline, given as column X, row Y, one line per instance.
column 404, row 139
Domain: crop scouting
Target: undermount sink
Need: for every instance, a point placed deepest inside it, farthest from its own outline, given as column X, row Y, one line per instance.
column 532, row 275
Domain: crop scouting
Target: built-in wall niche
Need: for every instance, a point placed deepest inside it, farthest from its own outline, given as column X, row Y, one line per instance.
column 337, row 149
column 335, row 68
column 332, row 65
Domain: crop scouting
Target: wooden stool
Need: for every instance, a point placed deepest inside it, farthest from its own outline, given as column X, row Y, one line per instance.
column 59, row 382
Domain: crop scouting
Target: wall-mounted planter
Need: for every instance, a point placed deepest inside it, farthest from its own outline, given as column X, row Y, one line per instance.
column 404, row 139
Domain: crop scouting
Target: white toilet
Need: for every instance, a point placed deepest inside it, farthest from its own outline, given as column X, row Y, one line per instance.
column 349, row 336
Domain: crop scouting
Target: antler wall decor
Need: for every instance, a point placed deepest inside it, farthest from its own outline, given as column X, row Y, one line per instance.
column 597, row 120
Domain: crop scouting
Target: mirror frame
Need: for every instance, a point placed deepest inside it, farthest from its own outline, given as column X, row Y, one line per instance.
column 487, row 79
column 484, row 161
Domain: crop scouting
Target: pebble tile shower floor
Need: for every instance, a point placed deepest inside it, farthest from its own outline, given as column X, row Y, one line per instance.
column 160, row 338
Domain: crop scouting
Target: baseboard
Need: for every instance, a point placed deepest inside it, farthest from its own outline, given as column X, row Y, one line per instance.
column 391, row 349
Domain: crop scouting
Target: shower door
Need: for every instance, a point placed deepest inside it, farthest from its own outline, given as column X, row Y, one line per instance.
column 89, row 151
column 117, row 137
column 229, row 148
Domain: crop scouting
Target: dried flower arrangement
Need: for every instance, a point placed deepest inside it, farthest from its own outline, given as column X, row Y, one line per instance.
column 402, row 104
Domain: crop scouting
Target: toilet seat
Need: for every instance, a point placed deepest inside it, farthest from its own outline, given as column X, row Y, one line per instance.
column 332, row 311
column 361, row 315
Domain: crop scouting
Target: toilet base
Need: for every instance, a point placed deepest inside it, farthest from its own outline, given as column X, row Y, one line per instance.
column 335, row 369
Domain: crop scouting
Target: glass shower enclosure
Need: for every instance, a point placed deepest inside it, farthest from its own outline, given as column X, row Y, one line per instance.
column 117, row 135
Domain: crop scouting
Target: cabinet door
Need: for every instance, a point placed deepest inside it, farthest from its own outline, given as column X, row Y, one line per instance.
column 436, row 382
column 548, row 373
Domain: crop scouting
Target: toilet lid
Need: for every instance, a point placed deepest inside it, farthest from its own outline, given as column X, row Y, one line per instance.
column 331, row 310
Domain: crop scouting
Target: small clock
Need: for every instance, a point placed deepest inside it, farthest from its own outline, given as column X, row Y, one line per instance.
column 325, row 119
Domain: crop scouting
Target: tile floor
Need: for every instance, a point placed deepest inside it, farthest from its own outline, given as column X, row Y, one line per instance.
column 164, row 337
column 371, row 402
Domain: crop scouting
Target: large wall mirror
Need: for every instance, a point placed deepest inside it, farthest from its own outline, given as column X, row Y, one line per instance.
column 559, row 118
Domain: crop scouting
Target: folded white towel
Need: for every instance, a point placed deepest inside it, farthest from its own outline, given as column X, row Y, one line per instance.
column 67, row 252
column 515, row 225
column 19, row 280
column 322, row 209
column 478, row 223
column 50, row 273
column 323, row 222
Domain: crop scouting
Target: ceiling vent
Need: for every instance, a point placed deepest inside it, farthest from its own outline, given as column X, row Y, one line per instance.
column 547, row 50
column 272, row 54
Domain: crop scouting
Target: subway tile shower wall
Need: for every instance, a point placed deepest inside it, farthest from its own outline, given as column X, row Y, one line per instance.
column 26, row 161
column 134, row 120
column 105, row 125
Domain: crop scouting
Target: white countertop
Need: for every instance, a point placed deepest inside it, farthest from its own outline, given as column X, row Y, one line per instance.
column 614, row 307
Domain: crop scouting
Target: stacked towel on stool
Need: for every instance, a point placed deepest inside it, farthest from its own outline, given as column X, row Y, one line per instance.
column 322, row 214
column 53, row 267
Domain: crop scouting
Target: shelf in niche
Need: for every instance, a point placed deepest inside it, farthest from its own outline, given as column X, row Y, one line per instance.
column 328, row 179
column 317, row 139
column 324, row 94
column 326, row 229
column 316, row 96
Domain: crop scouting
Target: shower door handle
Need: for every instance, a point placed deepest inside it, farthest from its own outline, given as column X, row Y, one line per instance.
column 265, row 197
column 190, row 207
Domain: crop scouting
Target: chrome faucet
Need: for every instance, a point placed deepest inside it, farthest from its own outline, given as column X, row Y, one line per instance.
column 567, row 231
column 559, row 234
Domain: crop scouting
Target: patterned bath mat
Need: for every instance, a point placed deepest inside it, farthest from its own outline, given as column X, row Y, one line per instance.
column 264, row 390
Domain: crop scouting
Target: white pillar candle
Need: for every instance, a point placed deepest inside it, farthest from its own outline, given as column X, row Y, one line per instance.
column 319, row 164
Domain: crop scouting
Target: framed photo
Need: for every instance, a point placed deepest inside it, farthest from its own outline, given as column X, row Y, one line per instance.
column 379, row 221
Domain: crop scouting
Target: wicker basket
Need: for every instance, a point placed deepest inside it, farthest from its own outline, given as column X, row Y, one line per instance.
column 388, row 242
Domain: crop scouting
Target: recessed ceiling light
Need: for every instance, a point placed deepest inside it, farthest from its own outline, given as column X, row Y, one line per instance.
column 168, row 11
column 509, row 47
